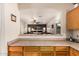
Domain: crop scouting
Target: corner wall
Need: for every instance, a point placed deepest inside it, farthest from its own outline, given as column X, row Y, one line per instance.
column 11, row 29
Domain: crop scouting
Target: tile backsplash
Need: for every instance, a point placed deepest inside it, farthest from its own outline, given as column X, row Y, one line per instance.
column 76, row 34
column 73, row 33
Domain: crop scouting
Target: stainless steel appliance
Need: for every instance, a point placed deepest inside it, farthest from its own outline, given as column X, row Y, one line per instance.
column 77, row 40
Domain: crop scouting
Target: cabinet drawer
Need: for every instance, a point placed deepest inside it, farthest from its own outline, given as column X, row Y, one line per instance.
column 15, row 53
column 45, row 54
column 61, row 53
column 31, row 49
column 31, row 54
column 45, row 48
column 15, row 49
column 61, row 48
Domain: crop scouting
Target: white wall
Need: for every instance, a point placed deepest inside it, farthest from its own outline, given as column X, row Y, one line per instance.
column 0, row 19
column 11, row 29
column 49, row 12
column 49, row 17
column 63, row 22
column 22, row 27
column 0, row 25
column 2, row 30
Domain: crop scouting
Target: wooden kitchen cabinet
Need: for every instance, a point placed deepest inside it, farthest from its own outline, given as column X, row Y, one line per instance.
column 76, row 53
column 73, row 19
column 46, row 53
column 15, row 51
column 69, row 21
column 61, row 48
column 31, row 53
column 38, row 51
column 61, row 51
column 47, row 48
column 73, row 52
column 18, row 49
column 31, row 48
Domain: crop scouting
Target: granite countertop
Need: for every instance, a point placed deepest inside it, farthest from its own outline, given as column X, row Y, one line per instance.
column 45, row 43
column 42, row 36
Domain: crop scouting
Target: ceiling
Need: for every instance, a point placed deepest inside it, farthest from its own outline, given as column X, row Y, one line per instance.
column 43, row 12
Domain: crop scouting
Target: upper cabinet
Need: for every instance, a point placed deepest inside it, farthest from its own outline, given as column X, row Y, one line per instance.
column 73, row 19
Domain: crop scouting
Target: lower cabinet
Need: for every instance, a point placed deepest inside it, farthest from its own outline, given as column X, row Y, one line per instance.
column 15, row 53
column 45, row 53
column 31, row 51
column 73, row 52
column 38, row 51
column 31, row 54
column 61, row 53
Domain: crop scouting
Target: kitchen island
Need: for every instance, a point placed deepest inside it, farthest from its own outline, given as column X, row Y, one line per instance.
column 23, row 47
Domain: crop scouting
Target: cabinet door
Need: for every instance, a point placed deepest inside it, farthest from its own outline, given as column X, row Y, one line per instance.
column 11, row 53
column 70, row 21
column 47, row 48
column 61, row 48
column 15, row 51
column 46, row 53
column 31, row 49
column 61, row 53
column 19, row 49
column 73, row 19
column 74, row 52
column 31, row 54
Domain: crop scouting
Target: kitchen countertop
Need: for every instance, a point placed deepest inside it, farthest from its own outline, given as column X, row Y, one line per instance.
column 21, row 42
column 43, row 36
